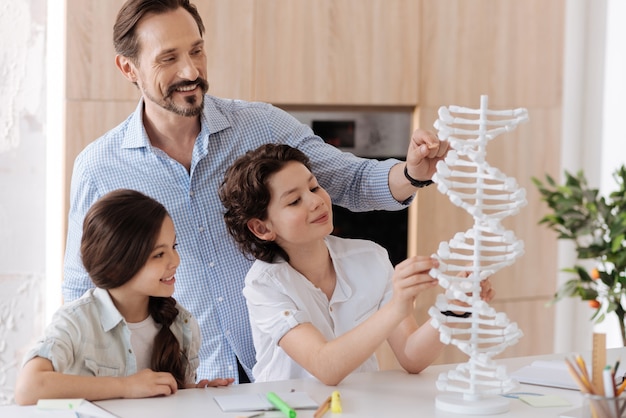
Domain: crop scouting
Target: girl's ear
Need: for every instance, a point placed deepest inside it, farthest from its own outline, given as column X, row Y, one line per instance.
column 126, row 67
column 260, row 229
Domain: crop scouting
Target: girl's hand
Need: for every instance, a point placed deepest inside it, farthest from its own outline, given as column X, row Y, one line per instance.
column 147, row 383
column 214, row 383
column 409, row 279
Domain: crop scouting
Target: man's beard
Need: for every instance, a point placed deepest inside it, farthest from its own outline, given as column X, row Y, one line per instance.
column 167, row 103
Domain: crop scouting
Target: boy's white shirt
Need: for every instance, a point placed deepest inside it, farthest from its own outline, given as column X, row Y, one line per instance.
column 280, row 298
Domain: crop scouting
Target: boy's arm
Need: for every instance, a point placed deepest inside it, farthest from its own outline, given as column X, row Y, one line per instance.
column 331, row 361
column 417, row 347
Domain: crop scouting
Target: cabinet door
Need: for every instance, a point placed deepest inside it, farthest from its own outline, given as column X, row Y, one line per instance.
column 229, row 47
column 354, row 52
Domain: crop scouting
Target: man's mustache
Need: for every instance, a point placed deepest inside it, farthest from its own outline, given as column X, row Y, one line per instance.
column 201, row 82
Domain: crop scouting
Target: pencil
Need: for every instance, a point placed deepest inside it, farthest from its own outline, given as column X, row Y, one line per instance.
column 584, row 374
column 582, row 365
column 621, row 387
column 322, row 408
column 580, row 381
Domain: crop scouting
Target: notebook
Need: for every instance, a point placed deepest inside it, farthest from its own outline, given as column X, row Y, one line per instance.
column 259, row 402
column 552, row 373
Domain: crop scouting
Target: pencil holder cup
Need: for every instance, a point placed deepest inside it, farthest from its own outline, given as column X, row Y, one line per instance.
column 603, row 407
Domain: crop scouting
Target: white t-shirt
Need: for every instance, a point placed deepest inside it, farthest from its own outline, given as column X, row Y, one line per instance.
column 279, row 298
column 142, row 335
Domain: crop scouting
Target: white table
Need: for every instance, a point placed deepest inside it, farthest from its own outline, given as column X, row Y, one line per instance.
column 392, row 393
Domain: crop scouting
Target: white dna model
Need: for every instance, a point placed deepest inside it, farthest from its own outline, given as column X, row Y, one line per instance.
column 489, row 196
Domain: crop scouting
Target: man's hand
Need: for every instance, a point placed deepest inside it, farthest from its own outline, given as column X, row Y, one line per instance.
column 425, row 150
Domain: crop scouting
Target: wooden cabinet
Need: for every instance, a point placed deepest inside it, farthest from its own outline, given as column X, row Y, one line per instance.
column 328, row 52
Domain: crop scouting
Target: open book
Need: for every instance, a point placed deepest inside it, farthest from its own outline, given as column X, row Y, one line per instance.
column 259, row 402
column 553, row 373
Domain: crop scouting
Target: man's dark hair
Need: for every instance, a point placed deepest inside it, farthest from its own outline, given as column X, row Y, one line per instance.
column 125, row 38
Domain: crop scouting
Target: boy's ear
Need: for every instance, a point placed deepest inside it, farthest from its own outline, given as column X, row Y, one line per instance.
column 260, row 230
column 127, row 68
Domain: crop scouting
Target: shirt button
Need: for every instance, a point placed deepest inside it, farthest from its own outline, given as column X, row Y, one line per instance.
column 330, row 308
column 130, row 351
column 191, row 193
column 186, row 320
column 220, row 299
column 231, row 368
column 201, row 229
column 227, row 332
column 211, row 264
column 286, row 313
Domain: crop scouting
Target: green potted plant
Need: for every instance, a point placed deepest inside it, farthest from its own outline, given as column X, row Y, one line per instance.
column 597, row 226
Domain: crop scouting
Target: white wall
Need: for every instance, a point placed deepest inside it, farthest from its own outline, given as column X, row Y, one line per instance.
column 593, row 109
column 613, row 151
column 22, row 181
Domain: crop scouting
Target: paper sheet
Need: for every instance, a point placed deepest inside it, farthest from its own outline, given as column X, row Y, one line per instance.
column 259, row 402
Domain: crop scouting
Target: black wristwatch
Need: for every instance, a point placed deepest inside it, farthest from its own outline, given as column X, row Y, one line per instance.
column 461, row 315
column 414, row 182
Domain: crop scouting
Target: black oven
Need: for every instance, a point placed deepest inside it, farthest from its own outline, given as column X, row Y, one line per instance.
column 372, row 134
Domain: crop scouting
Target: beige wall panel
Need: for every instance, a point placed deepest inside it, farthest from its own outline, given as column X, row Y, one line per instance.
column 510, row 50
column 357, row 52
column 229, row 46
column 91, row 71
column 535, row 319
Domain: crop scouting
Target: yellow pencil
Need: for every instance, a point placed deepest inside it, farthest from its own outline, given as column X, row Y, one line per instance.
column 584, row 374
column 582, row 365
column 582, row 384
column 621, row 388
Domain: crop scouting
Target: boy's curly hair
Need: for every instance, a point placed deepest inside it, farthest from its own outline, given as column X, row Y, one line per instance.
column 245, row 194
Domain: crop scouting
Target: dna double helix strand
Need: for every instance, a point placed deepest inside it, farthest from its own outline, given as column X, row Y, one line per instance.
column 488, row 195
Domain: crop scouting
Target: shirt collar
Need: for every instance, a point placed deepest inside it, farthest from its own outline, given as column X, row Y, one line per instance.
column 109, row 315
column 343, row 291
column 212, row 120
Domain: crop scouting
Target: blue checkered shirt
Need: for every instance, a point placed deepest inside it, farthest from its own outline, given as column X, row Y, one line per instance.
column 212, row 270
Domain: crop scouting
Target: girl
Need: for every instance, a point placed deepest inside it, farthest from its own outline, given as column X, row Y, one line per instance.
column 319, row 305
column 126, row 338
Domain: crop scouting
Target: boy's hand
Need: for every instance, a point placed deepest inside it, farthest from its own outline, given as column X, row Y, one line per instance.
column 410, row 278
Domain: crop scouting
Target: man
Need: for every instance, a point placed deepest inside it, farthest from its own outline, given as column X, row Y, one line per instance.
column 176, row 147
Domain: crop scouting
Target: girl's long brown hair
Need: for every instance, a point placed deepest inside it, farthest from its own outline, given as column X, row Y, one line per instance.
column 120, row 231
